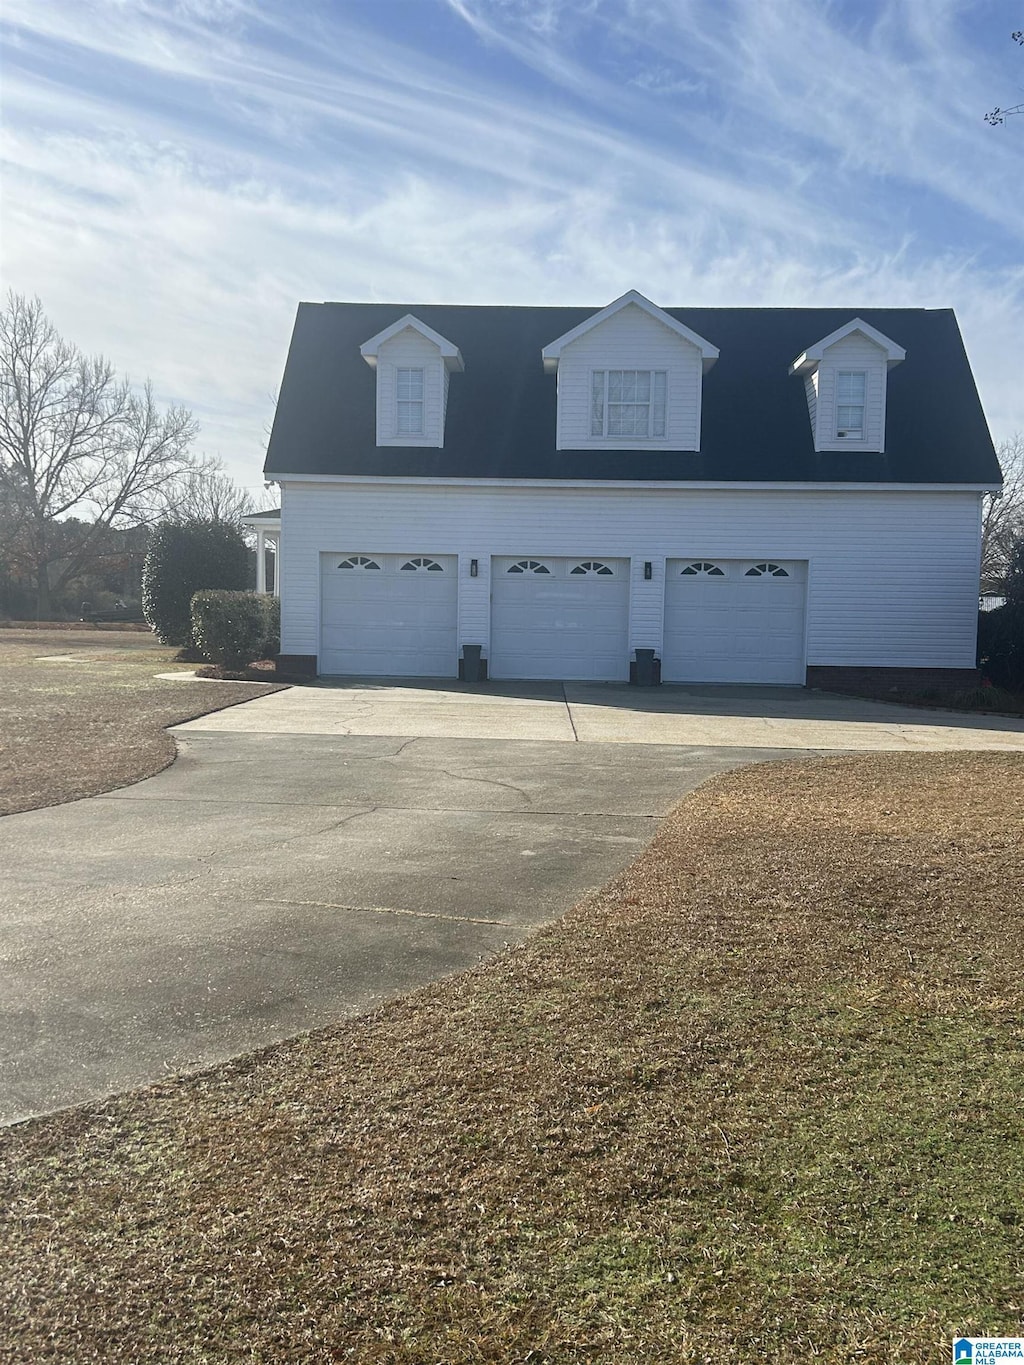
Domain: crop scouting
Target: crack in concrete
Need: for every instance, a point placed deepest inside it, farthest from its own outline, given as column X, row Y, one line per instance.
column 336, row 824
column 568, row 712
column 394, row 910
column 486, row 782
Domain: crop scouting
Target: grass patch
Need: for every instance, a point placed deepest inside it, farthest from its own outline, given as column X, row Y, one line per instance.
column 759, row 1096
column 73, row 729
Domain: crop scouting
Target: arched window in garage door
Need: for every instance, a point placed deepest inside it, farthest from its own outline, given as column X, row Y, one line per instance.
column 528, row 566
column 422, row 565
column 702, row 568
column 589, row 567
column 767, row 571
column 358, row 562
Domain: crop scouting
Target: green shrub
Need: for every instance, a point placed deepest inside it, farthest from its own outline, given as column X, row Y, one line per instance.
column 234, row 628
column 183, row 559
column 272, row 623
column 984, row 699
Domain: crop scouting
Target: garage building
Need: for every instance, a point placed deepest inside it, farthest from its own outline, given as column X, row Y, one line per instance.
column 766, row 496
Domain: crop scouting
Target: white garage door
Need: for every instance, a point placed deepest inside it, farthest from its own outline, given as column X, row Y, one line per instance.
column 734, row 620
column 560, row 618
column 393, row 615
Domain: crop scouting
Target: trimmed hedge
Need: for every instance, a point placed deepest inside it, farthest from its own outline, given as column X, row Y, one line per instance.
column 234, row 628
column 183, row 558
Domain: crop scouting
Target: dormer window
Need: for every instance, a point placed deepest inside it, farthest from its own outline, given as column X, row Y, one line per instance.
column 413, row 365
column 851, row 389
column 845, row 378
column 409, row 397
column 629, row 377
column 628, row 403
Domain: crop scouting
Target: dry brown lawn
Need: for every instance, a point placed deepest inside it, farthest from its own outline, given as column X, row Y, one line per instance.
column 759, row 1098
column 74, row 729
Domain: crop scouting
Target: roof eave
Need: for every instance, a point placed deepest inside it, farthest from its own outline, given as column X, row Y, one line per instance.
column 812, row 357
column 553, row 350
column 450, row 353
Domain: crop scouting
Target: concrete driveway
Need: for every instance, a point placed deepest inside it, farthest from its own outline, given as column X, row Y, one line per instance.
column 317, row 851
column 608, row 713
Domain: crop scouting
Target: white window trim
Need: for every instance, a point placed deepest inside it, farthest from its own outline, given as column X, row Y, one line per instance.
column 839, row 432
column 605, row 435
column 410, row 403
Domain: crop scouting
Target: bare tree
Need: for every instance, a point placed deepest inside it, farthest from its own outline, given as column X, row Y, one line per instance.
column 206, row 493
column 75, row 440
column 996, row 116
column 1002, row 521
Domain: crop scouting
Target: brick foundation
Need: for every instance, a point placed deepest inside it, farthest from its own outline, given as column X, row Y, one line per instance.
column 881, row 679
column 302, row 665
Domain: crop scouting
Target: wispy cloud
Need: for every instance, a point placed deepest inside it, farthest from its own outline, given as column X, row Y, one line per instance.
column 178, row 175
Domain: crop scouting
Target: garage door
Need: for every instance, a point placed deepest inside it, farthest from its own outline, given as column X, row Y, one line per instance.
column 734, row 620
column 560, row 618
column 394, row 615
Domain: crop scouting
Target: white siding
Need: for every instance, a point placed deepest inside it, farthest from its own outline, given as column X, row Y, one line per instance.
column 854, row 352
column 409, row 350
column 892, row 575
column 474, row 599
column 630, row 340
column 811, row 387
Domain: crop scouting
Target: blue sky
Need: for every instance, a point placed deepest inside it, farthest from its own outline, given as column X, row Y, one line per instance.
column 177, row 174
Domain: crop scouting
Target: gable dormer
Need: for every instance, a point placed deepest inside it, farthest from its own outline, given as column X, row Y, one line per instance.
column 629, row 378
column 413, row 364
column 845, row 378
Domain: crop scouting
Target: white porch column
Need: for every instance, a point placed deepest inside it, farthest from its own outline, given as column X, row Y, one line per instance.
column 261, row 560
column 277, row 564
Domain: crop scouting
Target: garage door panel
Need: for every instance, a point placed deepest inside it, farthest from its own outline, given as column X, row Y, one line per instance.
column 734, row 626
column 413, row 638
column 558, row 624
column 391, row 621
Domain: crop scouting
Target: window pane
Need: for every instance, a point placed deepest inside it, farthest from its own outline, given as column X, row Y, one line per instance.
column 630, row 403
column 627, row 419
column 410, row 419
column 409, row 402
column 410, row 384
column 850, row 386
column 850, row 419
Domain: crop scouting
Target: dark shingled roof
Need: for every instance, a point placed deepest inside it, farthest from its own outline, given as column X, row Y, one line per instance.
column 501, row 411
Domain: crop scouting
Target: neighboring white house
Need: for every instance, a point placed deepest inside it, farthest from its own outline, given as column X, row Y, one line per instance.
column 267, row 528
column 756, row 495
